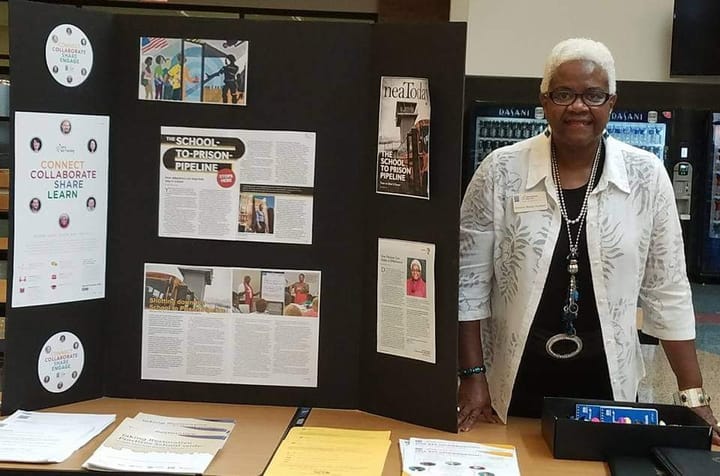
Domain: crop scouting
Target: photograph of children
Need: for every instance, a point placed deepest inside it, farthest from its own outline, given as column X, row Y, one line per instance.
column 415, row 285
column 257, row 213
column 187, row 289
column 193, row 70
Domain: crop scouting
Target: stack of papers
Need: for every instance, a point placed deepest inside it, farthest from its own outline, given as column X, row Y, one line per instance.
column 309, row 451
column 441, row 457
column 38, row 437
column 153, row 443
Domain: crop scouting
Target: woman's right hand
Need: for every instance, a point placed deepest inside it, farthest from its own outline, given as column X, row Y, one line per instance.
column 474, row 402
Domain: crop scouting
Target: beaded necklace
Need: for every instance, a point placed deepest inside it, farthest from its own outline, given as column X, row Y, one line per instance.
column 570, row 309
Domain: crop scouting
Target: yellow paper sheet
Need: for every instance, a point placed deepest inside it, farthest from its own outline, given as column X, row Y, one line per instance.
column 309, row 451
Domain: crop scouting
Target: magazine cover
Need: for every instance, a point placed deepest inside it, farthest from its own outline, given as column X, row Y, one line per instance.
column 403, row 158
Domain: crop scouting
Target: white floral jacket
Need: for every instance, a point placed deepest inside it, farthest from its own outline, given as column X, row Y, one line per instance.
column 635, row 249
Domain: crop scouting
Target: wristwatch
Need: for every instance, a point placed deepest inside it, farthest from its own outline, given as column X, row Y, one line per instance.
column 691, row 397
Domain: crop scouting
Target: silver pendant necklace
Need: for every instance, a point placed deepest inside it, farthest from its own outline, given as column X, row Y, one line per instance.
column 570, row 309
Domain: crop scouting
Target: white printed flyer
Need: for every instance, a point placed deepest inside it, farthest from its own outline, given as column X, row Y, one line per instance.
column 60, row 212
column 406, row 299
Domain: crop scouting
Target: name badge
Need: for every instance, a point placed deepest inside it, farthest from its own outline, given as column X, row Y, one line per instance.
column 530, row 202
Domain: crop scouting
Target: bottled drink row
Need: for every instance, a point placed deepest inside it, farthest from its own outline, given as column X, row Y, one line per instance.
column 483, row 147
column 493, row 133
column 638, row 133
column 499, row 128
column 650, row 137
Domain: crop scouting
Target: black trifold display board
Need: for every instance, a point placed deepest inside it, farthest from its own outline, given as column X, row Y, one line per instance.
column 303, row 76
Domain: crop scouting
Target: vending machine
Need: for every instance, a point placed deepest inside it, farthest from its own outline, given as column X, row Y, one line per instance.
column 648, row 130
column 495, row 125
column 709, row 239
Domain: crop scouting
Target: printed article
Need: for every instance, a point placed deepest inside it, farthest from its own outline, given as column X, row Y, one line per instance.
column 60, row 211
column 193, row 70
column 231, row 325
column 443, row 457
column 403, row 156
column 152, row 443
column 406, row 299
column 241, row 185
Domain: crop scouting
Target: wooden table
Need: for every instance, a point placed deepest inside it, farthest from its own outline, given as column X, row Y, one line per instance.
column 534, row 455
column 258, row 431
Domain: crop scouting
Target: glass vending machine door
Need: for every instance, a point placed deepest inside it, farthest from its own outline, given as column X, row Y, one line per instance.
column 646, row 130
column 496, row 126
column 709, row 263
column 714, row 228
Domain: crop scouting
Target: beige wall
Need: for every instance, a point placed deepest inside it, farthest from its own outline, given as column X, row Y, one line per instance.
column 512, row 37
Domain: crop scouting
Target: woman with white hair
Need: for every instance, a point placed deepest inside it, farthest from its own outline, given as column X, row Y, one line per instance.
column 561, row 235
column 415, row 285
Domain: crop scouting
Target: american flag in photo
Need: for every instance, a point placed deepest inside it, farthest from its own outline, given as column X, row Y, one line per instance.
column 149, row 44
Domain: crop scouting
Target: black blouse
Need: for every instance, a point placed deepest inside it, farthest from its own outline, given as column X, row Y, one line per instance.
column 585, row 375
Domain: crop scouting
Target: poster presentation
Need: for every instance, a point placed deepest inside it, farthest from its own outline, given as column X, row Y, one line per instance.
column 60, row 212
column 406, row 299
column 237, row 185
column 230, row 325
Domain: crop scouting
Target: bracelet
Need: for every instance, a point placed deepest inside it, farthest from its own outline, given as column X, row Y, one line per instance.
column 691, row 397
column 463, row 373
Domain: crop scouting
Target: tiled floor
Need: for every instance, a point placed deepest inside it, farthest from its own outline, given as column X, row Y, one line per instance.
column 660, row 383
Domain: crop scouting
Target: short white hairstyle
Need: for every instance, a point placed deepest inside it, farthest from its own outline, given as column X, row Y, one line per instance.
column 415, row 263
column 582, row 49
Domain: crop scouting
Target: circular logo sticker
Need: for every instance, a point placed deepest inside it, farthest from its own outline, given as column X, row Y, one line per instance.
column 226, row 178
column 69, row 55
column 60, row 362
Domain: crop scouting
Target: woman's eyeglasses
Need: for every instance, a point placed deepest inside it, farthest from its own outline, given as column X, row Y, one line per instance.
column 591, row 97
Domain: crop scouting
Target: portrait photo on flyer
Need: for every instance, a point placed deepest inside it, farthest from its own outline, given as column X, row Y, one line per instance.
column 406, row 299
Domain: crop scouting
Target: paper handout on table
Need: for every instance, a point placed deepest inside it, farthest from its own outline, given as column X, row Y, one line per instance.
column 43, row 437
column 220, row 426
column 309, row 451
column 151, row 443
column 458, row 458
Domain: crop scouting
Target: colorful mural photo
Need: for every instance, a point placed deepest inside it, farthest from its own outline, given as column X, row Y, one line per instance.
column 193, row 70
